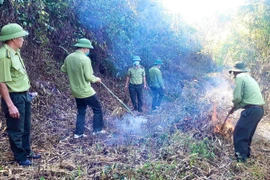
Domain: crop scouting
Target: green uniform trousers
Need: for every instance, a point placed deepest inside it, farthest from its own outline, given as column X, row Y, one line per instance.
column 19, row 129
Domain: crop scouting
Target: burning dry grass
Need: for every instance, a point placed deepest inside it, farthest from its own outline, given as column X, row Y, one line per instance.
column 154, row 153
column 168, row 144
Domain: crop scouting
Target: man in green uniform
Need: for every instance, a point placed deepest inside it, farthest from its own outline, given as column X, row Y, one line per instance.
column 135, row 82
column 246, row 95
column 80, row 74
column 14, row 86
column 156, row 84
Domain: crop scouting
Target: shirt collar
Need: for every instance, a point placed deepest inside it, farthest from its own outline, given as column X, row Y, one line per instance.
column 136, row 67
column 79, row 51
column 11, row 50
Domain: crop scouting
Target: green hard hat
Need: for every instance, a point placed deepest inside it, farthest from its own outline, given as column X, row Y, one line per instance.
column 12, row 31
column 84, row 43
column 239, row 66
column 136, row 58
column 158, row 62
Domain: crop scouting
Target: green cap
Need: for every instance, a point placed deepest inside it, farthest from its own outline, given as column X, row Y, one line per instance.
column 158, row 62
column 84, row 43
column 12, row 31
column 136, row 58
column 239, row 67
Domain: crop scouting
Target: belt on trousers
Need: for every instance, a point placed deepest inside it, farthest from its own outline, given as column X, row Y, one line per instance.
column 24, row 92
column 135, row 84
column 252, row 106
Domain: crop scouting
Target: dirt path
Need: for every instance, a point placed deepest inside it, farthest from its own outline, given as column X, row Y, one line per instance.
column 263, row 129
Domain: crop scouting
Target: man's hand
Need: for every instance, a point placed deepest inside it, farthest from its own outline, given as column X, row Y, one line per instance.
column 232, row 110
column 98, row 80
column 126, row 87
column 13, row 112
column 145, row 87
column 12, row 109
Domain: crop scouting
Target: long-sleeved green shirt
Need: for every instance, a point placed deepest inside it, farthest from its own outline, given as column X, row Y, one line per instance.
column 155, row 77
column 12, row 70
column 246, row 91
column 80, row 74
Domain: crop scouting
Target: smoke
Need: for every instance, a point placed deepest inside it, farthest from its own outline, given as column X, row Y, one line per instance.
column 140, row 28
column 196, row 102
column 131, row 124
column 218, row 90
column 128, row 130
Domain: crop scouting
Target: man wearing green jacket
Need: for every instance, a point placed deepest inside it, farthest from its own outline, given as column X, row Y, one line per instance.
column 80, row 74
column 135, row 83
column 156, row 84
column 246, row 95
column 14, row 86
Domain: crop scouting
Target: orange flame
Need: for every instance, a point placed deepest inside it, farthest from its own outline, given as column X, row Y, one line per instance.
column 228, row 127
column 214, row 114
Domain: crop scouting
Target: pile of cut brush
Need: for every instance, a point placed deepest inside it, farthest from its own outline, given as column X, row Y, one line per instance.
column 167, row 144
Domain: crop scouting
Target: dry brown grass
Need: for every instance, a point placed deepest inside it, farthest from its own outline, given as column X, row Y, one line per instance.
column 150, row 146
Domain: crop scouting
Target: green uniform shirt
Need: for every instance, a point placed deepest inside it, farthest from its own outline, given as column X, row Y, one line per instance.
column 155, row 77
column 12, row 70
column 246, row 92
column 80, row 74
column 136, row 75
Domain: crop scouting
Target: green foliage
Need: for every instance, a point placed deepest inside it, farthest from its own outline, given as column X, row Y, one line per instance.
column 157, row 170
column 248, row 38
column 203, row 149
column 116, row 171
column 193, row 159
column 257, row 172
column 77, row 173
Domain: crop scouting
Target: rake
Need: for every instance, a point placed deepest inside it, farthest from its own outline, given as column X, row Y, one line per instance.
column 224, row 121
column 118, row 99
